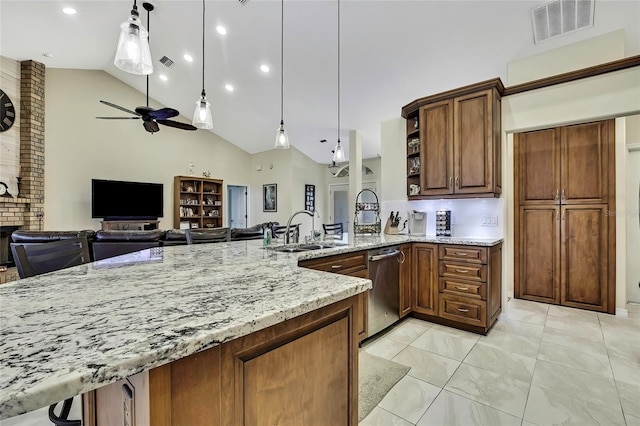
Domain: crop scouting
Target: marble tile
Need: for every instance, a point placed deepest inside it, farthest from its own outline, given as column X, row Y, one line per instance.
column 380, row 417
column 633, row 310
column 626, row 371
column 522, row 345
column 590, row 343
column 497, row 360
column 407, row 332
column 573, row 314
column 456, row 332
column 451, row 409
column 579, row 384
column 427, row 366
column 578, row 327
column 526, row 316
column 528, row 305
column 520, row 328
column 632, row 420
column 526, row 423
column 493, row 389
column 385, row 348
column 545, row 407
column 409, row 398
column 629, row 398
column 574, row 358
column 633, row 320
column 445, row 343
column 624, row 349
column 620, row 329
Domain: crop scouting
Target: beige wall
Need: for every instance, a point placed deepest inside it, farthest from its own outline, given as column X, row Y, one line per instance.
column 10, row 139
column 79, row 147
column 610, row 95
column 632, row 128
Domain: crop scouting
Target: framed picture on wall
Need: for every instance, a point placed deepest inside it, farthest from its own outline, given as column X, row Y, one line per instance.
column 270, row 197
column 310, row 197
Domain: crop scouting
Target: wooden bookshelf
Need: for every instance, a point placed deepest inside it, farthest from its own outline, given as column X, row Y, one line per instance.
column 197, row 202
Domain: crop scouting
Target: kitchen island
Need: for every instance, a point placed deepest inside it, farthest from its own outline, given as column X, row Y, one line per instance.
column 228, row 315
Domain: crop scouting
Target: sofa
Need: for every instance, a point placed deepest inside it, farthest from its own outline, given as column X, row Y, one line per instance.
column 104, row 244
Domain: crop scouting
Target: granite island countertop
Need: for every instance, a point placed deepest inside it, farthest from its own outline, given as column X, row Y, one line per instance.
column 71, row 331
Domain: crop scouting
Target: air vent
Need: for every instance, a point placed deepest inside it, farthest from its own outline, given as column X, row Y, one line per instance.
column 166, row 62
column 558, row 17
column 243, row 2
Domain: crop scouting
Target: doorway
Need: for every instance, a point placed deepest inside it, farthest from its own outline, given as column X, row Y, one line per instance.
column 339, row 202
column 237, row 196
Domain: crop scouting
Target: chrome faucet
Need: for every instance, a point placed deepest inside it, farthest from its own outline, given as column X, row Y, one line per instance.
column 310, row 213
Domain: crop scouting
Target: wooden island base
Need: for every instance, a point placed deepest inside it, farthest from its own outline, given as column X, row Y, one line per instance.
column 303, row 371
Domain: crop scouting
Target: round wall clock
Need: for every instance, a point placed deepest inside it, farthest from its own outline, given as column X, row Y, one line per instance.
column 7, row 112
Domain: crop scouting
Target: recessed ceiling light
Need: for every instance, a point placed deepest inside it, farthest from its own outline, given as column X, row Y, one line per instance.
column 163, row 77
column 221, row 30
column 69, row 11
column 188, row 57
column 48, row 55
column 228, row 87
column 264, row 68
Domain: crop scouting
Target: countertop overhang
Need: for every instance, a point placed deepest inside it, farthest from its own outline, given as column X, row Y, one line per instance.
column 71, row 331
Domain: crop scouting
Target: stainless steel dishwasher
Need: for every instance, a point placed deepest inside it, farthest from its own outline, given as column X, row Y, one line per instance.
column 384, row 297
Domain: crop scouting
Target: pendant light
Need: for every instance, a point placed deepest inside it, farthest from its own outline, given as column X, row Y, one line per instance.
column 282, row 139
column 133, row 54
column 202, row 116
column 338, row 154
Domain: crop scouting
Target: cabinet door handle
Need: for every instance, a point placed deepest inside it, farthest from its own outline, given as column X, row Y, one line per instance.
column 336, row 266
column 462, row 254
column 462, row 288
column 562, row 197
column 462, row 271
column 557, row 196
column 462, row 310
column 563, row 212
column 450, row 181
column 457, row 182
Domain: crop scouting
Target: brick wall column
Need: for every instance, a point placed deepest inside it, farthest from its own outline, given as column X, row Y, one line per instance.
column 32, row 140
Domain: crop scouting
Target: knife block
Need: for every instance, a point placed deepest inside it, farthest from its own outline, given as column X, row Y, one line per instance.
column 389, row 229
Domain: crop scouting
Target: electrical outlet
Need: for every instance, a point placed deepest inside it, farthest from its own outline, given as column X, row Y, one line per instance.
column 128, row 402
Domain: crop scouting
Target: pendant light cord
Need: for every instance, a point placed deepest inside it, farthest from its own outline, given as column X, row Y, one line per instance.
column 148, row 41
column 338, row 71
column 282, row 61
column 203, row 10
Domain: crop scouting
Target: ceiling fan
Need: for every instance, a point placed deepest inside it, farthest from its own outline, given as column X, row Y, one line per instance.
column 150, row 117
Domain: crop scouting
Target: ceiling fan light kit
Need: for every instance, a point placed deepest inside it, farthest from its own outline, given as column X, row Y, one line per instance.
column 282, row 138
column 133, row 54
column 202, row 115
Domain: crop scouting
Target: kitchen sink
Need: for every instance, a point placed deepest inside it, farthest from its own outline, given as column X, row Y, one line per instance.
column 296, row 248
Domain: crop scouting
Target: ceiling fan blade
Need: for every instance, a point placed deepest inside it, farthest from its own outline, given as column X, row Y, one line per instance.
column 163, row 113
column 119, row 118
column 177, row 124
column 119, row 107
column 151, row 126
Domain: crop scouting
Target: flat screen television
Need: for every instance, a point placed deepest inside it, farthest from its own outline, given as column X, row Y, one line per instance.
column 118, row 200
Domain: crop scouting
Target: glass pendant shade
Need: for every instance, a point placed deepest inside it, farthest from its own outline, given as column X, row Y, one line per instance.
column 338, row 155
column 133, row 54
column 282, row 139
column 202, row 116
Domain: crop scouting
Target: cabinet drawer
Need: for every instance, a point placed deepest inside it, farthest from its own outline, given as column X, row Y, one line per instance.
column 463, row 288
column 463, row 309
column 345, row 264
column 463, row 253
column 464, row 271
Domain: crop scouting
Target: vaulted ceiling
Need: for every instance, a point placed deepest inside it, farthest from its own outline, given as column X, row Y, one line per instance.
column 392, row 52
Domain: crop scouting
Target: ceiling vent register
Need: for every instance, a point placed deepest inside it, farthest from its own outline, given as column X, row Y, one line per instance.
column 166, row 62
column 559, row 17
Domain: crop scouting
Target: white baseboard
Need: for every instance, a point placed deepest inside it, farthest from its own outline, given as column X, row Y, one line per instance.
column 620, row 312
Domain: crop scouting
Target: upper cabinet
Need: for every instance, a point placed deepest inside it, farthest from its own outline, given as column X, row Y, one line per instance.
column 454, row 143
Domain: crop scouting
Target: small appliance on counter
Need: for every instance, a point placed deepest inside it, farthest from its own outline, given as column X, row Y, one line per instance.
column 417, row 222
column 443, row 223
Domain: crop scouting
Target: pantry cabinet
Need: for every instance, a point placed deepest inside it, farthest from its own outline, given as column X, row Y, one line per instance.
column 564, row 229
column 459, row 143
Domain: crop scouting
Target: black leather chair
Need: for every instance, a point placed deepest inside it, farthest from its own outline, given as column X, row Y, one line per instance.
column 280, row 230
column 203, row 236
column 35, row 259
column 332, row 228
column 114, row 243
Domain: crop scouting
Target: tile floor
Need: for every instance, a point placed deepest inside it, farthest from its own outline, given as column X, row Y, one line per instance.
column 539, row 365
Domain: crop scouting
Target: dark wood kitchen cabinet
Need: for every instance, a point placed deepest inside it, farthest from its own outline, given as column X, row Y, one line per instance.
column 352, row 264
column 425, row 278
column 460, row 143
column 565, row 234
column 406, row 275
